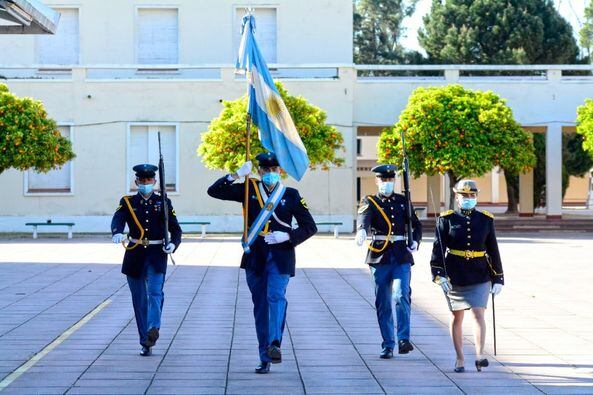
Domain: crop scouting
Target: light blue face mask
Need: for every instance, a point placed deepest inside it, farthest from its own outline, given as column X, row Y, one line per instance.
column 386, row 188
column 468, row 203
column 145, row 189
column 271, row 178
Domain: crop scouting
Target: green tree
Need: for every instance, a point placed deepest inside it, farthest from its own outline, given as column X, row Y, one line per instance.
column 28, row 138
column 223, row 146
column 459, row 132
column 585, row 125
column 497, row 32
column 586, row 33
column 378, row 30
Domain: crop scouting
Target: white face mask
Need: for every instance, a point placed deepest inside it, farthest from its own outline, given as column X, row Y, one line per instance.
column 386, row 187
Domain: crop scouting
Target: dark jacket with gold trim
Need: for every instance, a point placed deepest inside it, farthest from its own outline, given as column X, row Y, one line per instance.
column 371, row 220
column 150, row 215
column 292, row 205
column 466, row 230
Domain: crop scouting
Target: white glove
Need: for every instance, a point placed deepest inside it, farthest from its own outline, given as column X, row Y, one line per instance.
column 496, row 288
column 169, row 248
column 361, row 236
column 445, row 284
column 414, row 247
column 276, row 237
column 245, row 169
column 118, row 238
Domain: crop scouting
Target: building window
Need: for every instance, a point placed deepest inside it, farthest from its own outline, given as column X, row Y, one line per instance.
column 61, row 48
column 358, row 146
column 54, row 181
column 265, row 31
column 143, row 148
column 157, row 36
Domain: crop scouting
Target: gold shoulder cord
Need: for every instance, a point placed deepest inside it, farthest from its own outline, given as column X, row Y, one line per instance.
column 261, row 205
column 137, row 224
column 386, row 242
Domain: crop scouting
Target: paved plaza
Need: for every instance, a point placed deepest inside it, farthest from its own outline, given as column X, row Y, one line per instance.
column 66, row 320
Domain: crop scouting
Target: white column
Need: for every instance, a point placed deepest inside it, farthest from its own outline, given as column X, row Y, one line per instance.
column 495, row 185
column 446, row 191
column 554, row 171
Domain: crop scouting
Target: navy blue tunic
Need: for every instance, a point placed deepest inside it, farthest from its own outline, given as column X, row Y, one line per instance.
column 292, row 205
column 150, row 214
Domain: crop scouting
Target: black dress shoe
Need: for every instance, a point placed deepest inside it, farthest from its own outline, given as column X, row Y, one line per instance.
column 387, row 353
column 481, row 363
column 263, row 368
column 404, row 346
column 153, row 336
column 146, row 351
column 274, row 353
column 459, row 369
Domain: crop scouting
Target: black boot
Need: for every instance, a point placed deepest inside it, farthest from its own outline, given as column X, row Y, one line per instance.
column 405, row 346
column 274, row 353
column 146, row 351
column 153, row 336
column 263, row 368
column 387, row 353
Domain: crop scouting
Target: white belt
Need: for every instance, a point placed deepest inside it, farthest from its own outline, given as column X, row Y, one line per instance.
column 145, row 242
column 390, row 238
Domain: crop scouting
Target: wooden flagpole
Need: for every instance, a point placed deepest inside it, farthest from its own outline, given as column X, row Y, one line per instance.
column 246, row 202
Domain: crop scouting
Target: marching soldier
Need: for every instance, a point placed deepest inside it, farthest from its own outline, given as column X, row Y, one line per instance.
column 145, row 260
column 269, row 261
column 466, row 264
column 384, row 216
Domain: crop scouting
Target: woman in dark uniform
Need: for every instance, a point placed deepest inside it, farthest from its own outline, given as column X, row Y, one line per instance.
column 466, row 264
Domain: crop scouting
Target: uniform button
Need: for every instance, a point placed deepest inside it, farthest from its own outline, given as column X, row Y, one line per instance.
column 468, row 244
column 146, row 229
column 147, row 212
column 469, row 236
column 392, row 216
column 468, row 229
column 468, row 222
column 146, row 220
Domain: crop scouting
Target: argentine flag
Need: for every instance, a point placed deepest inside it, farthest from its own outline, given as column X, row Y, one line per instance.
column 267, row 109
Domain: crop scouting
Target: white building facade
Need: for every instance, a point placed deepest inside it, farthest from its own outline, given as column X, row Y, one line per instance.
column 118, row 71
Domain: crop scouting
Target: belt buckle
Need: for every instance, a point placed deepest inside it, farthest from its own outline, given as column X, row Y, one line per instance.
column 145, row 242
column 468, row 254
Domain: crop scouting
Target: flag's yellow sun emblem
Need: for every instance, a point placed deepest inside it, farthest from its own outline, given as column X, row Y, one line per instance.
column 273, row 106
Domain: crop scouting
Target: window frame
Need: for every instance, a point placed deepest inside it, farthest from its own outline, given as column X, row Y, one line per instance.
column 26, row 191
column 137, row 9
column 129, row 126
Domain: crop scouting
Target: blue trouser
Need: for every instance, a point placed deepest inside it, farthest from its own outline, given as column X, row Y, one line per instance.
column 392, row 280
column 268, row 292
column 147, row 298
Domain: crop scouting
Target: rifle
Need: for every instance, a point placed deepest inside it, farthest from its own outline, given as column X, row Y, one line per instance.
column 405, row 167
column 163, row 188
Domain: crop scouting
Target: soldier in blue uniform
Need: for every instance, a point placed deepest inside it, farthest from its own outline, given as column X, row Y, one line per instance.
column 466, row 264
column 384, row 216
column 271, row 260
column 145, row 260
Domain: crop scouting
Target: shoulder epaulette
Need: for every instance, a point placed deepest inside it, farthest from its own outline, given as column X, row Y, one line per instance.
column 487, row 213
column 445, row 213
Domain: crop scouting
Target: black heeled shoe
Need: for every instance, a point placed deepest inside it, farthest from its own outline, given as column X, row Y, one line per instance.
column 481, row 363
column 459, row 369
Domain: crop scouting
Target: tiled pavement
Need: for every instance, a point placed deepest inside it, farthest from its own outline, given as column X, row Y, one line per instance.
column 208, row 344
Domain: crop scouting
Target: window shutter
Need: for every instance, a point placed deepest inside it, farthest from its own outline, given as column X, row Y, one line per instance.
column 144, row 149
column 157, row 36
column 265, row 32
column 63, row 46
column 55, row 180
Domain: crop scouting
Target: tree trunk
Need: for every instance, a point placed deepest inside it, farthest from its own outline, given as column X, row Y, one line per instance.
column 452, row 181
column 512, row 181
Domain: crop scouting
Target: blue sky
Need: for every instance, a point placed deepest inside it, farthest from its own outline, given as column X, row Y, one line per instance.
column 572, row 10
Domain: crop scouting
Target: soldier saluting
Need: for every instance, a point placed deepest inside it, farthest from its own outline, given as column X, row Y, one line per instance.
column 145, row 260
column 269, row 260
column 384, row 216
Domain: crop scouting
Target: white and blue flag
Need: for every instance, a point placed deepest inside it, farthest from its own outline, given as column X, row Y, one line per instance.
column 266, row 107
